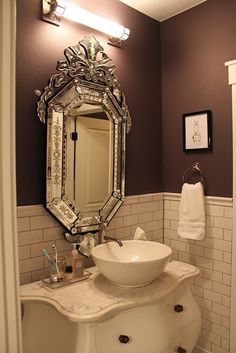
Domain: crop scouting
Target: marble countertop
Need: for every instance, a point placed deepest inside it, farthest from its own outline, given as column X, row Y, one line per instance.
column 97, row 298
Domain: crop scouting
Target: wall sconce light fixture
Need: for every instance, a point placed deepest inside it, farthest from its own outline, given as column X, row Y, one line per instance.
column 53, row 10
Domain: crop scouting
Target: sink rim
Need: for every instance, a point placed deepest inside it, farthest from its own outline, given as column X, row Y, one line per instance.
column 166, row 253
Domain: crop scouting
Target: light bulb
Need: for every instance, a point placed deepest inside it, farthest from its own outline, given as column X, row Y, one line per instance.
column 89, row 19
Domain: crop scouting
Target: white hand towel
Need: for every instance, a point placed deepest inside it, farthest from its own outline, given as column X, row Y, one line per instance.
column 192, row 212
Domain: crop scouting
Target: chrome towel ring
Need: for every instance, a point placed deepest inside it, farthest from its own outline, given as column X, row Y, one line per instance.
column 195, row 168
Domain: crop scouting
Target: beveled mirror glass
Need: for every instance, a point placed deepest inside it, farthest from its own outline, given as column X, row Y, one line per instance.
column 87, row 122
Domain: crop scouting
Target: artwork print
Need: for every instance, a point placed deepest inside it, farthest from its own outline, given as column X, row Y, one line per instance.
column 197, row 131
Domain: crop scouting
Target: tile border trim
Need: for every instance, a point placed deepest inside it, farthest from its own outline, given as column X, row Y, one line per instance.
column 220, row 201
column 38, row 209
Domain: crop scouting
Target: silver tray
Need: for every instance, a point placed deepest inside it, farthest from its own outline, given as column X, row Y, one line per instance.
column 65, row 282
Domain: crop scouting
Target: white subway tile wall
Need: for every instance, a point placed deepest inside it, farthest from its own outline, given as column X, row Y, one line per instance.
column 38, row 229
column 213, row 257
column 157, row 215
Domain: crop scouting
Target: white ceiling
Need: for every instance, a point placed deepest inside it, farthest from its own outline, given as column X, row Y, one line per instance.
column 160, row 10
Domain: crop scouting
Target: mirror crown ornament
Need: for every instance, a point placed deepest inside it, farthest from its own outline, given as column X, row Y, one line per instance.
column 87, row 60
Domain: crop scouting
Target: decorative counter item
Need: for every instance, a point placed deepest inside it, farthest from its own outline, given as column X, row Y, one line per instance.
column 64, row 271
column 68, row 272
column 56, row 264
column 77, row 262
column 66, row 280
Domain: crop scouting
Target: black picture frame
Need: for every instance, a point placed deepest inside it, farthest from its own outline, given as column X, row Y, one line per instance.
column 197, row 131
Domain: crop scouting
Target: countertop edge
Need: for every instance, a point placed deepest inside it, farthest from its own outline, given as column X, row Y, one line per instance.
column 120, row 303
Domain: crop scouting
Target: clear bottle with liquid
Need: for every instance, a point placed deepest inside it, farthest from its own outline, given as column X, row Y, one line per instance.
column 77, row 262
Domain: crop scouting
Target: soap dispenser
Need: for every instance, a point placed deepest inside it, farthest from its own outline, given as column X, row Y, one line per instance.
column 77, row 262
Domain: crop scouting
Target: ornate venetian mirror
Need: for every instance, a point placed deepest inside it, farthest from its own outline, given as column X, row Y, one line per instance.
column 87, row 121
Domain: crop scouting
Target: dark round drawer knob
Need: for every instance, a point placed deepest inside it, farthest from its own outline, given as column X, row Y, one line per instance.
column 181, row 350
column 178, row 308
column 123, row 339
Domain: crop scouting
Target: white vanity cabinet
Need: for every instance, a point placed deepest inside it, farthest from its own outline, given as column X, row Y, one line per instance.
column 95, row 316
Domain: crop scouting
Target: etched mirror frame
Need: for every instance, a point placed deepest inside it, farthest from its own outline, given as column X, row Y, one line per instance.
column 86, row 76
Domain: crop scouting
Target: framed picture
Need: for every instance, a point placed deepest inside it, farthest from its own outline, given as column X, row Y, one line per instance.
column 197, row 131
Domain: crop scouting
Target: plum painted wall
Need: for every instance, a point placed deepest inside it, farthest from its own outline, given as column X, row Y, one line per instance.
column 165, row 69
column 40, row 45
column 195, row 46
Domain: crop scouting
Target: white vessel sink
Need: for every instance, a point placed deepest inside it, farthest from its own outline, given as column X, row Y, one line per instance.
column 135, row 264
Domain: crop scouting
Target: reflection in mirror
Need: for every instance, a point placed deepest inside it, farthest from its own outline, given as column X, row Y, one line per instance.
column 87, row 122
column 90, row 157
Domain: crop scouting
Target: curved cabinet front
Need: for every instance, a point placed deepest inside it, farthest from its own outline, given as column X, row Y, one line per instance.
column 156, row 328
column 160, row 318
column 45, row 330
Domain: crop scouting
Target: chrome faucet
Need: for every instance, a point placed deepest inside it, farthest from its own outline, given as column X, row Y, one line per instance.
column 102, row 235
column 113, row 239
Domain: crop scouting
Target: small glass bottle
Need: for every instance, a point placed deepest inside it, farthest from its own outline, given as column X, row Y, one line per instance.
column 68, row 272
column 77, row 262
